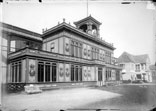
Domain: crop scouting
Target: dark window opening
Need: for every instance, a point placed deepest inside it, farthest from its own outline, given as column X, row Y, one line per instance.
column 40, row 72
column 47, row 72
column 99, row 74
column 80, row 73
column 72, row 72
column 16, row 72
column 83, row 28
column 54, row 72
column 76, row 73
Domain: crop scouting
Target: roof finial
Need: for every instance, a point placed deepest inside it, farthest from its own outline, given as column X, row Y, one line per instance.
column 64, row 19
column 42, row 30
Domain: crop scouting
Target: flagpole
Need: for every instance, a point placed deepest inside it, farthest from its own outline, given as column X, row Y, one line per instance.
column 87, row 8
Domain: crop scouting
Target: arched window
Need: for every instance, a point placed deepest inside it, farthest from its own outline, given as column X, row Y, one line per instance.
column 83, row 27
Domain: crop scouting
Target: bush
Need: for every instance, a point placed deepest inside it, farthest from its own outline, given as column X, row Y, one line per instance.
column 126, row 81
column 137, row 81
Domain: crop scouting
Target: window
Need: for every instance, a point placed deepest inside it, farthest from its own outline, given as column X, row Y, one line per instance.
column 138, row 76
column 52, row 47
column 99, row 74
column 97, row 54
column 80, row 73
column 13, row 46
column 16, row 72
column 117, row 75
column 72, row 48
column 54, row 72
column 72, row 72
column 47, row 72
column 76, row 73
column 137, row 67
column 41, row 72
column 103, row 57
column 80, row 50
column 85, row 52
column 100, row 56
column 76, row 49
column 93, row 53
column 142, row 65
column 106, row 75
column 122, row 65
column 89, row 53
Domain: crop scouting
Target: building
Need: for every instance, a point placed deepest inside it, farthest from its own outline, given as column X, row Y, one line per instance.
column 153, row 72
column 62, row 55
column 135, row 67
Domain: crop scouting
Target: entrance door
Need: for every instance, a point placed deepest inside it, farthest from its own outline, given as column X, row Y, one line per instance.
column 99, row 74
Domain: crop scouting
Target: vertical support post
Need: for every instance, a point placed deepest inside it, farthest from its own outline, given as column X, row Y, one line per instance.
column 36, row 70
column 57, row 72
column 44, row 71
column 27, row 71
column 14, row 72
column 18, row 72
column 50, row 72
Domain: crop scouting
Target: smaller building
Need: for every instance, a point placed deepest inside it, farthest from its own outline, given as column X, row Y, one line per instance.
column 153, row 72
column 135, row 67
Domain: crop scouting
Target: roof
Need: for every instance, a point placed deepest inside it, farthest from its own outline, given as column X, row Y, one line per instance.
column 141, row 58
column 126, row 57
column 88, row 18
column 66, row 26
column 20, row 31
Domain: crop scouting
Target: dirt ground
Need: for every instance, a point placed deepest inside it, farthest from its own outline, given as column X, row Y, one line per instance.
column 55, row 100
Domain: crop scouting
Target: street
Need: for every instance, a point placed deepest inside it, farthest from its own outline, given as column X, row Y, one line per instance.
column 122, row 97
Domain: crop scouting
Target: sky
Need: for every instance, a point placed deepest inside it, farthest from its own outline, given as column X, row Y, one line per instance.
column 130, row 27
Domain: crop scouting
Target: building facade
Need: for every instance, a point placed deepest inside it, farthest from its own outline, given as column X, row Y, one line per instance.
column 153, row 72
column 62, row 55
column 135, row 67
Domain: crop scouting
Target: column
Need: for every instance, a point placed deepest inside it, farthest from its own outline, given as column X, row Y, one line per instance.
column 103, row 76
column 98, row 32
column 17, row 72
column 27, row 71
column 44, row 72
column 9, row 73
column 51, row 72
column 89, row 28
column 36, row 70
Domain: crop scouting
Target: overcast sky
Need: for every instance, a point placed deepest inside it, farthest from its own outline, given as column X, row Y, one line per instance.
column 130, row 27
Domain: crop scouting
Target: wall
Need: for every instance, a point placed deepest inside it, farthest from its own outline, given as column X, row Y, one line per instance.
column 75, row 37
column 4, row 50
column 32, row 67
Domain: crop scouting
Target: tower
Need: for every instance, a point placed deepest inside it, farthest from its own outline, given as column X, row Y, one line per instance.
column 89, row 25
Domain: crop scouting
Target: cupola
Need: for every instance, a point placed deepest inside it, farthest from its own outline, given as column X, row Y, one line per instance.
column 89, row 25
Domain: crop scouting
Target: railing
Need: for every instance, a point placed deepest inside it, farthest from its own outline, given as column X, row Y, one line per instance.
column 36, row 52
